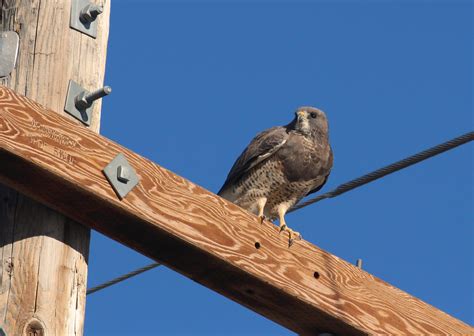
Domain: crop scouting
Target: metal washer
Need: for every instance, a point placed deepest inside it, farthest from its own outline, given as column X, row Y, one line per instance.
column 111, row 173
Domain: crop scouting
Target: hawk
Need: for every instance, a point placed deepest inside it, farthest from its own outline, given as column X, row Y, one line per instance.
column 280, row 166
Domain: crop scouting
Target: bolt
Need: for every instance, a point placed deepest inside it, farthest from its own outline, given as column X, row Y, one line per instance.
column 123, row 174
column 97, row 94
column 85, row 99
column 90, row 12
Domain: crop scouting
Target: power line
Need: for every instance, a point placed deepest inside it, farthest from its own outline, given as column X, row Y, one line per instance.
column 341, row 189
column 121, row 278
column 375, row 175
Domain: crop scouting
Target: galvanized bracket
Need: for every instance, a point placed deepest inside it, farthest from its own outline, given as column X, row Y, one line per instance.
column 84, row 15
column 9, row 42
column 79, row 101
column 121, row 175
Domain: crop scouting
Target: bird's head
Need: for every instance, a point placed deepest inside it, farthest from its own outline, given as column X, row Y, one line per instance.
column 310, row 121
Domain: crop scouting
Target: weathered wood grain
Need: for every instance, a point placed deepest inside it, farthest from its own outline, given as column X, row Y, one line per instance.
column 201, row 235
column 43, row 266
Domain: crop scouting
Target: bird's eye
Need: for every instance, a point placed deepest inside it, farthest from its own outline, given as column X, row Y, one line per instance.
column 313, row 115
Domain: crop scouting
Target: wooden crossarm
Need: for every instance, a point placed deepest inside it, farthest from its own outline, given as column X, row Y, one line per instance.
column 199, row 234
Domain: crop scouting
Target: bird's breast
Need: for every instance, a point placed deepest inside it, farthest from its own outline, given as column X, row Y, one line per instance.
column 302, row 159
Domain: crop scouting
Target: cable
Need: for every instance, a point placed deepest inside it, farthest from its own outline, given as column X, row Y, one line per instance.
column 341, row 189
column 411, row 160
column 121, row 278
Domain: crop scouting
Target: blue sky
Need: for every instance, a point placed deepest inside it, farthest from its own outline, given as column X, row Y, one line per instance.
column 193, row 82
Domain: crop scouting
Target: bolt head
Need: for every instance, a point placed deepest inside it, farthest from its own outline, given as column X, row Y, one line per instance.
column 81, row 101
column 123, row 175
column 90, row 12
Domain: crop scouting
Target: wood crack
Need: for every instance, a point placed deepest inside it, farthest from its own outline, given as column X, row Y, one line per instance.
column 11, row 279
column 35, row 304
column 34, row 47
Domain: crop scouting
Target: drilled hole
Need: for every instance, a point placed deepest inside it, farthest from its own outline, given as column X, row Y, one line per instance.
column 257, row 245
column 316, row 275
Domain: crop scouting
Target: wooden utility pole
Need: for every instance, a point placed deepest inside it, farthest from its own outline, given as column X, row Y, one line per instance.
column 201, row 235
column 43, row 265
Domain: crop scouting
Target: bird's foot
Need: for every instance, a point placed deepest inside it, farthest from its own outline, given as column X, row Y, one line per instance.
column 292, row 235
column 261, row 218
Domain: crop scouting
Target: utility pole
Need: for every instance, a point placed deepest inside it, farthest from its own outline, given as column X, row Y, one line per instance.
column 43, row 265
column 59, row 162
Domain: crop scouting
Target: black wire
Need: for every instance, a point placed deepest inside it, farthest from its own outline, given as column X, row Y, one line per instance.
column 121, row 278
column 343, row 188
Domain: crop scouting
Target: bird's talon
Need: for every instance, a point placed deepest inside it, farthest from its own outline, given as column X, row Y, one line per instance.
column 290, row 242
column 297, row 235
column 261, row 218
column 282, row 228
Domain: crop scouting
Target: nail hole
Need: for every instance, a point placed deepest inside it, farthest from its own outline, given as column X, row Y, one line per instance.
column 316, row 275
column 257, row 245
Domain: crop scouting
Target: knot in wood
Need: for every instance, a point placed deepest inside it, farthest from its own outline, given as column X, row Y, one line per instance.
column 34, row 328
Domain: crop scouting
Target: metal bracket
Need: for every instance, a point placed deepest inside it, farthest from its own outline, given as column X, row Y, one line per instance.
column 9, row 42
column 121, row 175
column 79, row 102
column 84, row 15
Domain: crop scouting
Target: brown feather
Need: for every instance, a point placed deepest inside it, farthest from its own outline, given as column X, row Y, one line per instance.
column 282, row 164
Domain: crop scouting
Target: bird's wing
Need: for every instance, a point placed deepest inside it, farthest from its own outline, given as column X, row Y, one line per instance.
column 264, row 145
column 320, row 186
column 325, row 172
